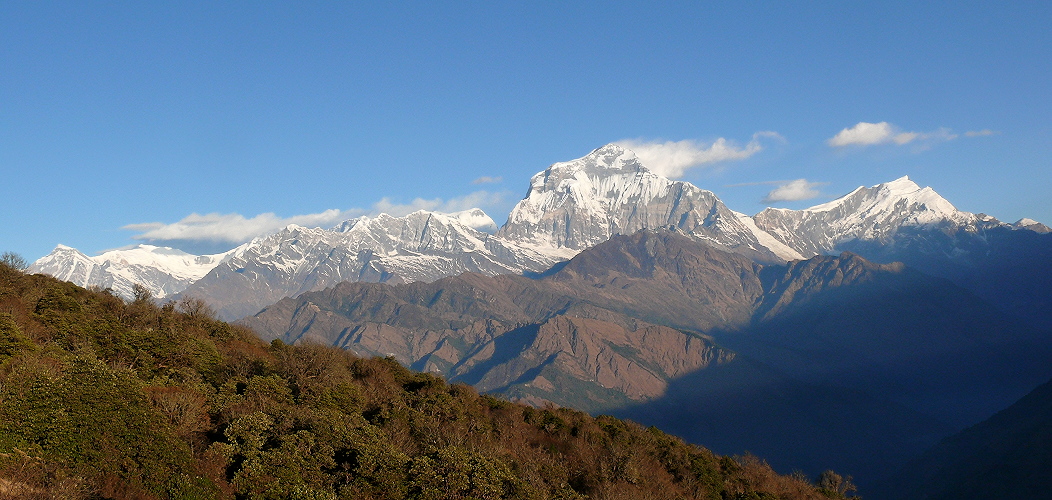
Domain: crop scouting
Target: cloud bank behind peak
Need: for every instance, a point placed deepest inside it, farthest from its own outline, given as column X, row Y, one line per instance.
column 673, row 159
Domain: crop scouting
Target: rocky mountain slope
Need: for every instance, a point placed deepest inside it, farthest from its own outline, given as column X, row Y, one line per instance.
column 617, row 290
column 504, row 334
column 656, row 325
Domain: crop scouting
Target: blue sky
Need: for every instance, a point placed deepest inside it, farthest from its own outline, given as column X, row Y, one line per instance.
column 118, row 121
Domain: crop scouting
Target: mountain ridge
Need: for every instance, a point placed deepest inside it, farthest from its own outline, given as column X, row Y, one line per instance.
column 570, row 206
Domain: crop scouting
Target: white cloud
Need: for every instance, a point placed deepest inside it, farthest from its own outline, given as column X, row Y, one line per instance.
column 797, row 190
column 863, row 134
column 868, row 134
column 233, row 229
column 487, row 180
column 473, row 200
column 673, row 159
column 905, row 137
column 979, row 133
column 942, row 134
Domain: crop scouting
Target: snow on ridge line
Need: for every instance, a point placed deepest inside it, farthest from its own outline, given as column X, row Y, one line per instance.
column 169, row 260
column 475, row 218
column 780, row 249
column 881, row 198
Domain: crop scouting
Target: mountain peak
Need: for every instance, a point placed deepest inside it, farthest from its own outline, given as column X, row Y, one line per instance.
column 583, row 202
column 476, row 218
column 611, row 149
column 163, row 270
column 902, row 183
column 885, row 197
column 866, row 214
column 610, row 159
column 1032, row 225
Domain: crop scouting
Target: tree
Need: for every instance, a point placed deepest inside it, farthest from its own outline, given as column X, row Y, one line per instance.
column 14, row 261
column 835, row 483
column 142, row 294
column 196, row 308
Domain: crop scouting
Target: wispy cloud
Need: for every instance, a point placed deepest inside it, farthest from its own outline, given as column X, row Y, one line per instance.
column 673, row 159
column 487, row 180
column 869, row 134
column 795, row 190
column 233, row 229
column 473, row 200
column 980, row 133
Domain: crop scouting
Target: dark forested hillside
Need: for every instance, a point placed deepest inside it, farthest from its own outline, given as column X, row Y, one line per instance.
column 100, row 398
column 1007, row 456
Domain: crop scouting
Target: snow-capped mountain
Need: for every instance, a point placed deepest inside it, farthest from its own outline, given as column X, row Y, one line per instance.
column 1032, row 225
column 475, row 218
column 577, row 204
column 570, row 206
column 164, row 271
column 422, row 246
column 890, row 214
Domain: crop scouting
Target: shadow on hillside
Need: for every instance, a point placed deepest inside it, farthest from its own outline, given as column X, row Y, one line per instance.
column 506, row 347
column 744, row 406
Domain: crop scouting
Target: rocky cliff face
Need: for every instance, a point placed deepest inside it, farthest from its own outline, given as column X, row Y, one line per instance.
column 505, row 334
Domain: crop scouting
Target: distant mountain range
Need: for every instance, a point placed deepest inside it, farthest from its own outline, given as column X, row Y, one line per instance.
column 570, row 206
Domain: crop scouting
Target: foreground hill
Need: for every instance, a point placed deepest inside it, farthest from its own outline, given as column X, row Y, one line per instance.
column 832, row 361
column 100, row 398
